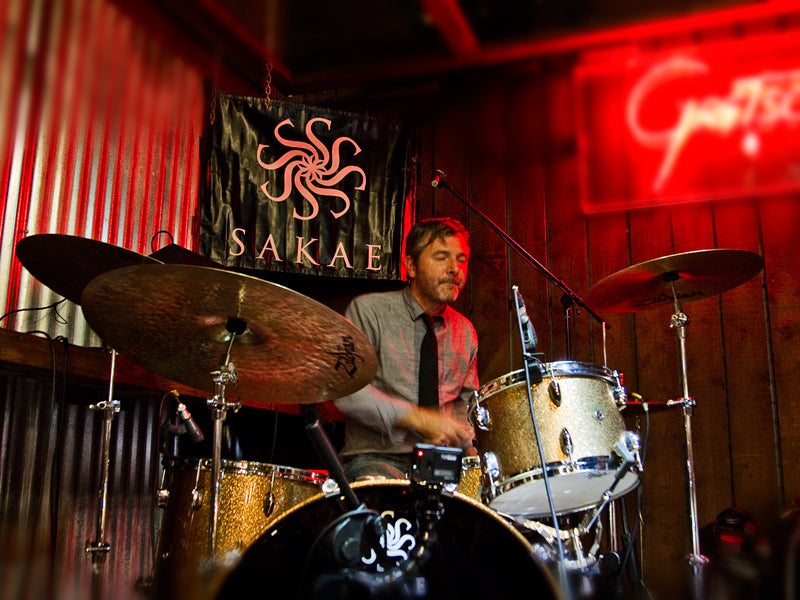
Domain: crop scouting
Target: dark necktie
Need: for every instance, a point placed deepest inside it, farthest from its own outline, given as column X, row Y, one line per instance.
column 428, row 367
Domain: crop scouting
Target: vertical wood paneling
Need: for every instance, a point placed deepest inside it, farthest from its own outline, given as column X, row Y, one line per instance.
column 780, row 223
column 525, row 120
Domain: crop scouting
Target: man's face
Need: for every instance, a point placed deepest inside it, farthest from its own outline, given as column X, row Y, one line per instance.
column 441, row 271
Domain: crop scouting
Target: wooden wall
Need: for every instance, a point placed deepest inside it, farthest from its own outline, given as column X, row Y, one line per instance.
column 508, row 143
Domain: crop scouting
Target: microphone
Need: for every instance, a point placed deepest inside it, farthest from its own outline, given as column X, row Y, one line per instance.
column 439, row 178
column 628, row 447
column 188, row 422
column 529, row 338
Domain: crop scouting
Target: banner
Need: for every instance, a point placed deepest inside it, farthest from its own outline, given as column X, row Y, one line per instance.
column 300, row 189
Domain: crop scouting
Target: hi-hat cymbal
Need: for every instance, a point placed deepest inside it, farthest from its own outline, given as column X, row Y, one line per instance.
column 695, row 275
column 177, row 321
column 67, row 263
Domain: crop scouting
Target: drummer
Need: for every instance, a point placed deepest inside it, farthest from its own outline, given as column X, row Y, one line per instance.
column 384, row 418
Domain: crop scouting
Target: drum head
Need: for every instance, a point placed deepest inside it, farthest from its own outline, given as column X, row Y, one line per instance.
column 472, row 553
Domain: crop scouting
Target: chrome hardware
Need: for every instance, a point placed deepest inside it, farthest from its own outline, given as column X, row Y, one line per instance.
column 566, row 443
column 269, row 504
column 197, row 497
column 481, row 418
column 554, row 389
column 490, row 465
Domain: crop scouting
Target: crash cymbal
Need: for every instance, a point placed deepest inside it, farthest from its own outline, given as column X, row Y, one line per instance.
column 177, row 321
column 696, row 275
column 66, row 263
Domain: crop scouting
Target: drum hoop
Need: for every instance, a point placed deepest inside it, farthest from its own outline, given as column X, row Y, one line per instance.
column 470, row 462
column 397, row 483
column 563, row 368
column 555, row 469
column 245, row 467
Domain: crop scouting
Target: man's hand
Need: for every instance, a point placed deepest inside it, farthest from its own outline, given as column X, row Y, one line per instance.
column 438, row 429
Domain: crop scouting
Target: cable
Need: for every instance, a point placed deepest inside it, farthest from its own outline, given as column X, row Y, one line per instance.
column 521, row 310
column 58, row 318
column 156, row 234
column 639, row 498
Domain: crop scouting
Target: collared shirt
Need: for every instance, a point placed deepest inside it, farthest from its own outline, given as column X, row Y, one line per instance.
column 393, row 322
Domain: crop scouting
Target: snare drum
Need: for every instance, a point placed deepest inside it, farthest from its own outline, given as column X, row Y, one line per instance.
column 577, row 412
column 313, row 551
column 251, row 496
column 470, row 483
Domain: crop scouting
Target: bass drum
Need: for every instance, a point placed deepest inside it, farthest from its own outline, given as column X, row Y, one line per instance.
column 471, row 552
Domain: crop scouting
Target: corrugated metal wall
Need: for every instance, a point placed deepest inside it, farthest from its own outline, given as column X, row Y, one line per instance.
column 99, row 138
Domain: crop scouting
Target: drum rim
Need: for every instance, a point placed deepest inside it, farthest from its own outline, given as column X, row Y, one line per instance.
column 586, row 465
column 245, row 467
column 558, row 368
column 278, row 521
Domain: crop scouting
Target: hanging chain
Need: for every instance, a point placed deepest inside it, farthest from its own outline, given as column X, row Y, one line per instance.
column 213, row 109
column 268, row 84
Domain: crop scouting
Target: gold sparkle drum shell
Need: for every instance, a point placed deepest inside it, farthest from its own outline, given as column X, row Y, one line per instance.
column 251, row 496
column 577, row 407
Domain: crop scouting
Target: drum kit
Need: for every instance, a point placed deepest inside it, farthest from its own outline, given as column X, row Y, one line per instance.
column 551, row 443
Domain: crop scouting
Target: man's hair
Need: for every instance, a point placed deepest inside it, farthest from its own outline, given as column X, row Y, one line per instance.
column 428, row 230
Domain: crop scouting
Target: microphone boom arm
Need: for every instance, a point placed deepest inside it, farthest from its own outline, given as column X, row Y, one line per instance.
column 441, row 180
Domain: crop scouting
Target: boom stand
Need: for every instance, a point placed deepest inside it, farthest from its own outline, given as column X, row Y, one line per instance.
column 98, row 549
column 219, row 406
column 679, row 321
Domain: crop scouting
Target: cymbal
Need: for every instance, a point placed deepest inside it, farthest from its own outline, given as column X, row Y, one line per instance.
column 696, row 275
column 67, row 263
column 178, row 320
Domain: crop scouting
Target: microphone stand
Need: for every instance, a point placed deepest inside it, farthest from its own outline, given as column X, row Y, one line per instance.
column 530, row 357
column 441, row 180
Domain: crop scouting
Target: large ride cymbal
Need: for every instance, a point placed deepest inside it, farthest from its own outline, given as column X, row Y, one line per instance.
column 176, row 320
column 67, row 263
column 695, row 275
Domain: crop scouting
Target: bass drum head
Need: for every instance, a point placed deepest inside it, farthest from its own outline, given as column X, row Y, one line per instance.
column 475, row 554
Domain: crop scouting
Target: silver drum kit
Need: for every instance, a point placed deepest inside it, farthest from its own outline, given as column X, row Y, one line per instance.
column 552, row 448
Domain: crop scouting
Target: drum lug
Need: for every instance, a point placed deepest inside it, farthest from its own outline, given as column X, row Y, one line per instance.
column 197, row 497
column 490, row 465
column 162, row 497
column 566, row 443
column 481, row 418
column 554, row 390
column 491, row 473
column 269, row 504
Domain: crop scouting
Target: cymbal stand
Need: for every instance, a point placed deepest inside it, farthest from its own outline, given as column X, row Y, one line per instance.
column 679, row 321
column 98, row 549
column 222, row 376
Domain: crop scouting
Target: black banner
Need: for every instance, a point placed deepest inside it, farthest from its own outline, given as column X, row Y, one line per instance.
column 300, row 189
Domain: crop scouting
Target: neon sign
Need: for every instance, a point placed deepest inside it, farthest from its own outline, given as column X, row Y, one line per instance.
column 702, row 123
column 754, row 104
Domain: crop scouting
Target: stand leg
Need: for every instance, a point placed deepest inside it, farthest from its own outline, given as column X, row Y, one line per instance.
column 697, row 562
column 98, row 549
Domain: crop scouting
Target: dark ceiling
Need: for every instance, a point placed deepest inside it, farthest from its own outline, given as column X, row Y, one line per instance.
column 313, row 45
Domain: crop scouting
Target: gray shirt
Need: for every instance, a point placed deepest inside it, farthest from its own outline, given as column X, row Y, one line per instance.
column 393, row 322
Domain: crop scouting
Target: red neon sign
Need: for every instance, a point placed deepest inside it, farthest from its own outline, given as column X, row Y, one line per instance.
column 694, row 126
